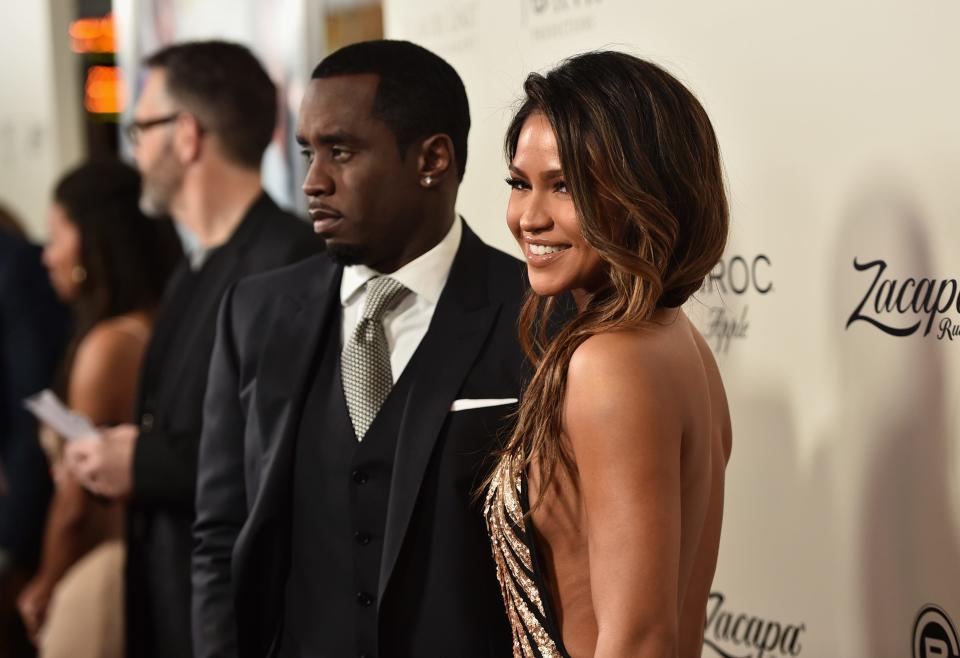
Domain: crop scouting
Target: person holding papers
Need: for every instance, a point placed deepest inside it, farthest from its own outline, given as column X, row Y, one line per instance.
column 110, row 264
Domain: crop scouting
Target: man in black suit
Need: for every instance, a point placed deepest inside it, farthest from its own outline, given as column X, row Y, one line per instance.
column 203, row 121
column 354, row 401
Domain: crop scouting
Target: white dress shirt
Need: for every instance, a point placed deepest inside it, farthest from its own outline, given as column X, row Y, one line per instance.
column 406, row 324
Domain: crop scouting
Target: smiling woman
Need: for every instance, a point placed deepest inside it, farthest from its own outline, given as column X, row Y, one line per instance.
column 605, row 509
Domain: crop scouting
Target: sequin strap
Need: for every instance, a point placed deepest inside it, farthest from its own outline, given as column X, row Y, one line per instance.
column 513, row 553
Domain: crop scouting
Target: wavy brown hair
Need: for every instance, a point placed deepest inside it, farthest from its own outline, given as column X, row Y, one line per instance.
column 127, row 256
column 641, row 162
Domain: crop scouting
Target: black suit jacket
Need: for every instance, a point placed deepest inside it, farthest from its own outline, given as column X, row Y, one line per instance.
column 33, row 331
column 438, row 594
column 170, row 415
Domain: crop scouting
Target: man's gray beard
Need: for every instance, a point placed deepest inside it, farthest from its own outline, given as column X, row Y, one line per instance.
column 160, row 184
column 151, row 207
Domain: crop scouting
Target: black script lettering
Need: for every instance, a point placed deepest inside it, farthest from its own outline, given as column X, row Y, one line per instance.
column 736, row 625
column 941, row 307
column 771, row 638
column 721, row 629
column 715, row 597
column 794, row 646
column 934, row 309
column 858, row 315
column 885, row 305
column 916, row 305
column 903, row 290
column 756, row 624
column 948, row 329
column 724, row 328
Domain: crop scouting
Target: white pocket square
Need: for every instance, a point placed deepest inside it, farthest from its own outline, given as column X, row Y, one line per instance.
column 470, row 403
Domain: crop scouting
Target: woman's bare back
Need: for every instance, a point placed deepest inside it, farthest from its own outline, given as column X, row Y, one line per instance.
column 562, row 521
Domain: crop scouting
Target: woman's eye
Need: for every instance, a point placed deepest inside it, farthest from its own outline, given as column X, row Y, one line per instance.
column 516, row 183
column 560, row 187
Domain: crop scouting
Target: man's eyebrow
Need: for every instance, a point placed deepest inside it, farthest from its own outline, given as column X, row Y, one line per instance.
column 326, row 139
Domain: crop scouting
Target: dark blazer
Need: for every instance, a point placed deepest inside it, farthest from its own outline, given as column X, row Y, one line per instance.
column 170, row 415
column 438, row 594
column 33, row 332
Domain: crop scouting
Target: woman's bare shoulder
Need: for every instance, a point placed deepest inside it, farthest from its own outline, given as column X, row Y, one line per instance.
column 111, row 339
column 644, row 356
column 621, row 379
column 109, row 350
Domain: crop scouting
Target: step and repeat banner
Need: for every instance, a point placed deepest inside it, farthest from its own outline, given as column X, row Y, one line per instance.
column 835, row 312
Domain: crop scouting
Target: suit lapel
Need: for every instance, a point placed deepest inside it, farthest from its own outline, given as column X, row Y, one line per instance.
column 297, row 332
column 459, row 328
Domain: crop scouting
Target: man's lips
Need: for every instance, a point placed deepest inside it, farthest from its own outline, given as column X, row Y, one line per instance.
column 323, row 218
column 322, row 212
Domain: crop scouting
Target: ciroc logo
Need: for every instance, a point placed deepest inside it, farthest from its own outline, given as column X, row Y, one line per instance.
column 934, row 635
column 733, row 278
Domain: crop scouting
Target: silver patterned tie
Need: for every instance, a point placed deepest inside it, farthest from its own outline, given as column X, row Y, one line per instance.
column 365, row 363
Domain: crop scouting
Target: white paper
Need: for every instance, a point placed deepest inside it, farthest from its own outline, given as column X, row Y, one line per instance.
column 48, row 408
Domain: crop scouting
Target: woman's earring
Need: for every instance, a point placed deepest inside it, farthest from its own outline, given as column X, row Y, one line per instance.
column 426, row 181
column 78, row 274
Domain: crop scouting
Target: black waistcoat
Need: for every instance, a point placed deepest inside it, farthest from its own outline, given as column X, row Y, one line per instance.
column 340, row 493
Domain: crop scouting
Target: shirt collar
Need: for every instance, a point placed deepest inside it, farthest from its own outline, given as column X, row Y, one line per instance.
column 425, row 275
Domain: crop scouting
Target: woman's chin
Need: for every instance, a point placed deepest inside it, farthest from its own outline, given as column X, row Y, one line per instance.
column 546, row 288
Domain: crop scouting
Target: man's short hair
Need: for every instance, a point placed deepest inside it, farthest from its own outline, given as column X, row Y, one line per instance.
column 418, row 94
column 226, row 88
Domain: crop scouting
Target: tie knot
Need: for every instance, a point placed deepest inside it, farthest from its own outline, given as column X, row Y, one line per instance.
column 383, row 293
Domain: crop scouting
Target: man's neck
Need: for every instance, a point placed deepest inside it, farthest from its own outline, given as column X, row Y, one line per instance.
column 213, row 202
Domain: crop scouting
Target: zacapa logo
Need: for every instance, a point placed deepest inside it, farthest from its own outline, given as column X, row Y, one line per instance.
column 934, row 635
column 732, row 634
column 733, row 281
column 548, row 19
column 893, row 305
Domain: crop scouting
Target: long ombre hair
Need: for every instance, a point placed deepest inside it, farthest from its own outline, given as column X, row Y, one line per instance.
column 641, row 162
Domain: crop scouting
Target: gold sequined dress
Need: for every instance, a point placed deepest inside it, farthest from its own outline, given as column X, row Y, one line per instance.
column 535, row 631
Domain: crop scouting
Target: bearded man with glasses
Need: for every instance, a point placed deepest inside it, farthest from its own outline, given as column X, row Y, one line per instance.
column 203, row 120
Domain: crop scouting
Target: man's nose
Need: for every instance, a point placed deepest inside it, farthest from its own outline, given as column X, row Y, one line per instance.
column 317, row 182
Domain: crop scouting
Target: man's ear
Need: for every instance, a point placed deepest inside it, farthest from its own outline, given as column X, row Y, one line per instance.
column 187, row 138
column 436, row 161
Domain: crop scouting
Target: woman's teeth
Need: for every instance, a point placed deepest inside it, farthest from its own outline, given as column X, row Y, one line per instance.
column 543, row 250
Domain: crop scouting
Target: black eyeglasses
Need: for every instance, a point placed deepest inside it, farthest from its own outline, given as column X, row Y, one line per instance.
column 135, row 129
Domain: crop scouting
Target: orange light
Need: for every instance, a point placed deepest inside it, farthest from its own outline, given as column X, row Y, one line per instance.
column 104, row 90
column 93, row 35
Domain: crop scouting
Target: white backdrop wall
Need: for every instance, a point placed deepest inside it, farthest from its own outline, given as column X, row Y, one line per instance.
column 40, row 114
column 839, row 127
